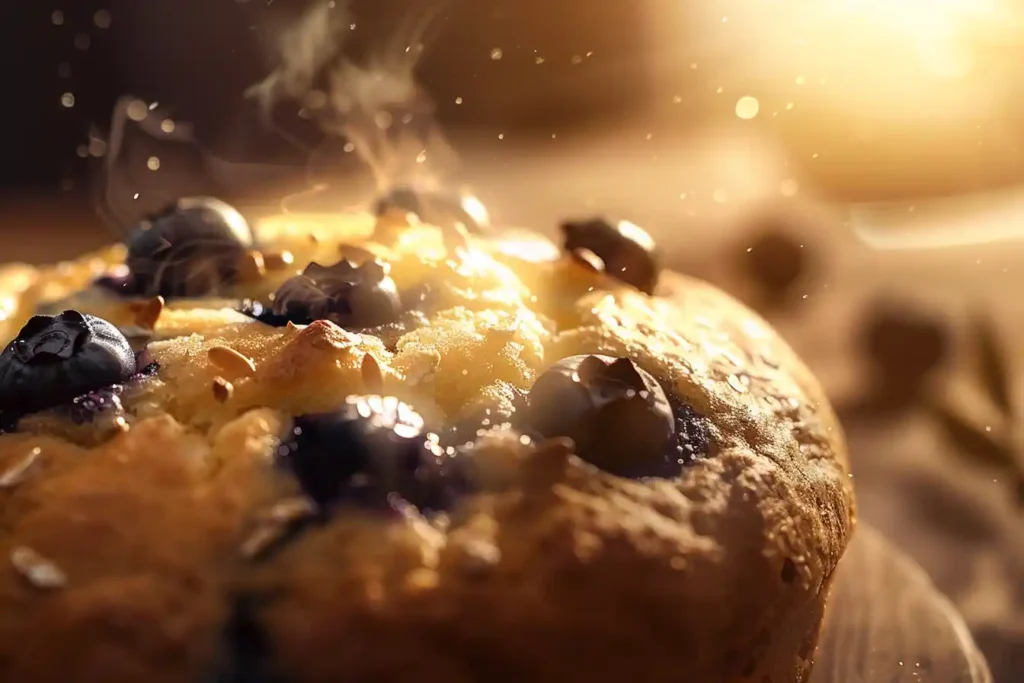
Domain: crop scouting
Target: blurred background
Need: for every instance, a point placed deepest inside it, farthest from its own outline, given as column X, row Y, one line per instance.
column 851, row 168
column 869, row 99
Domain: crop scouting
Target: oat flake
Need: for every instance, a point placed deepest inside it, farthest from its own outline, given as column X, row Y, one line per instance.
column 18, row 473
column 40, row 572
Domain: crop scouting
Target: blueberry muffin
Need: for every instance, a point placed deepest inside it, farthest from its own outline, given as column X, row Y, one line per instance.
column 375, row 449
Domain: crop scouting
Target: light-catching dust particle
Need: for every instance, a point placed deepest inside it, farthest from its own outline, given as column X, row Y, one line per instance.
column 747, row 107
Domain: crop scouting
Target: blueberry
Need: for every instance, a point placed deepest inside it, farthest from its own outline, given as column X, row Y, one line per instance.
column 265, row 314
column 56, row 358
column 905, row 346
column 692, row 440
column 246, row 653
column 369, row 451
column 776, row 262
column 120, row 283
column 626, row 250
column 437, row 207
column 903, row 341
column 349, row 295
column 145, row 364
column 191, row 248
column 617, row 414
column 85, row 408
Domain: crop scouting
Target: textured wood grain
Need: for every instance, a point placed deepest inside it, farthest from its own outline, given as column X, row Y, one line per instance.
column 888, row 624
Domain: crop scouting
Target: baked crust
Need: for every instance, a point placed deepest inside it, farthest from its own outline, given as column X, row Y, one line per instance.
column 554, row 569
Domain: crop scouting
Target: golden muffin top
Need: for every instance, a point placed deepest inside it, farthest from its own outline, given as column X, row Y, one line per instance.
column 437, row 396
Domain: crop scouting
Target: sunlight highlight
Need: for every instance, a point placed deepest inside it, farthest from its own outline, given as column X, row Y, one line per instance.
column 921, row 18
column 942, row 32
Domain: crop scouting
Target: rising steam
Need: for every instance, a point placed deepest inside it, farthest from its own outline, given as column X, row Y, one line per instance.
column 142, row 138
column 375, row 105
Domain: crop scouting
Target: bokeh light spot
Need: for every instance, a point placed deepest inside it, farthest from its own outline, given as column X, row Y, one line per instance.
column 747, row 107
column 137, row 110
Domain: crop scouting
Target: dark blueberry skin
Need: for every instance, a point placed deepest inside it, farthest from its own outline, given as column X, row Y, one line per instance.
column 265, row 314
column 84, row 409
column 373, row 451
column 349, row 295
column 627, row 251
column 617, row 414
column 190, row 249
column 440, row 208
column 776, row 261
column 57, row 358
column 692, row 440
column 904, row 343
column 246, row 653
column 120, row 283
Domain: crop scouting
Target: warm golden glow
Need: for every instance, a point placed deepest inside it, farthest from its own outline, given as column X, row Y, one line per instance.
column 931, row 61
column 920, row 18
column 476, row 210
column 943, row 33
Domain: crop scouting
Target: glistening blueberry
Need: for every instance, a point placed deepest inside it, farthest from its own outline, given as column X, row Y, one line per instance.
column 627, row 252
column 618, row 415
column 443, row 208
column 265, row 314
column 192, row 248
column 372, row 451
column 57, row 358
column 350, row 295
column 246, row 653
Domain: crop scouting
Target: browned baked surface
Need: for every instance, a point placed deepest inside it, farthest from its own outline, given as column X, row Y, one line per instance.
column 553, row 568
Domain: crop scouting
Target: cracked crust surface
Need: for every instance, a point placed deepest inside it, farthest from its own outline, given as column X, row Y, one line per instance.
column 553, row 569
